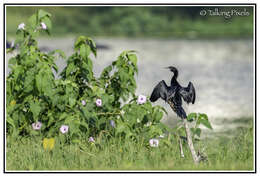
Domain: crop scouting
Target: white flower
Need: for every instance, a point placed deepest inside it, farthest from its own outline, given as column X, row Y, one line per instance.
column 37, row 125
column 83, row 102
column 91, row 139
column 141, row 99
column 21, row 26
column 43, row 26
column 138, row 120
column 64, row 129
column 154, row 142
column 99, row 102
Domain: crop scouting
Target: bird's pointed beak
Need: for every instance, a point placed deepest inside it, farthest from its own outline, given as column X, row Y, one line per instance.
column 167, row 67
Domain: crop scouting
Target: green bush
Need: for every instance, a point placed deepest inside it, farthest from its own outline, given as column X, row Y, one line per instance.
column 37, row 103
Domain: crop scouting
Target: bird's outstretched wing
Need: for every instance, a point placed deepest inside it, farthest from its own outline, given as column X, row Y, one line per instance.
column 188, row 93
column 160, row 91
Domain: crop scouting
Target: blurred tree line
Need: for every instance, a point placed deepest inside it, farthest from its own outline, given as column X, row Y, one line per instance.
column 138, row 21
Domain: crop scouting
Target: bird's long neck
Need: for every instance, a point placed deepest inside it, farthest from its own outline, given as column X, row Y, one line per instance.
column 175, row 73
column 174, row 77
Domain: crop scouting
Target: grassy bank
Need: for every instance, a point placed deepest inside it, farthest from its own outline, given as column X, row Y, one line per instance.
column 235, row 153
column 177, row 22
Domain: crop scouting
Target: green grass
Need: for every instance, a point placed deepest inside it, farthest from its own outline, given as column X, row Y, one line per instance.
column 236, row 153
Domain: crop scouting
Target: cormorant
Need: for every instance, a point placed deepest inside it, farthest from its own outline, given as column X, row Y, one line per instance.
column 174, row 94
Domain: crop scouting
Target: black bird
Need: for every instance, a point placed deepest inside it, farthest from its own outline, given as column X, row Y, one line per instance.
column 174, row 93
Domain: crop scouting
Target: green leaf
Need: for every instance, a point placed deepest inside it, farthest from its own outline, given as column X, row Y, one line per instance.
column 155, row 130
column 10, row 121
column 33, row 21
column 28, row 83
column 50, row 121
column 84, row 124
column 55, row 67
column 165, row 127
column 12, row 61
column 206, row 123
column 121, row 127
column 17, row 70
column 73, row 124
column 133, row 59
column 70, row 68
column 35, row 108
column 203, row 119
column 72, row 101
column 191, row 117
column 158, row 116
column 203, row 116
column 196, row 131
column 29, row 80
column 162, row 109
column 45, row 81
column 92, row 46
column 81, row 40
column 90, row 64
column 129, row 134
column 42, row 13
column 83, row 51
column 76, row 141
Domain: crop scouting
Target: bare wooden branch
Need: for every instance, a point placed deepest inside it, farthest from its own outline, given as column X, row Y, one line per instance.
column 196, row 159
column 190, row 143
column 181, row 150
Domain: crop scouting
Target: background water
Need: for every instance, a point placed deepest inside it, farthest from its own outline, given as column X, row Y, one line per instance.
column 222, row 71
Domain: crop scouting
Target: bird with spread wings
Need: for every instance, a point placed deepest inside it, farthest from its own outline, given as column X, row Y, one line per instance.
column 174, row 93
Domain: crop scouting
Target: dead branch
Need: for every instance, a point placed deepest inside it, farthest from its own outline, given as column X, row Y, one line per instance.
column 196, row 159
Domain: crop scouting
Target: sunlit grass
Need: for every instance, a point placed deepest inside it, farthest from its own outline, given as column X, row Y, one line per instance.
column 223, row 153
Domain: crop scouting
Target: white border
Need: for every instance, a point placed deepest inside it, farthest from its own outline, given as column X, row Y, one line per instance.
column 134, row 1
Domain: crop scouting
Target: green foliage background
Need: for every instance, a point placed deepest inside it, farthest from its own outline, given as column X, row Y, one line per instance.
column 141, row 21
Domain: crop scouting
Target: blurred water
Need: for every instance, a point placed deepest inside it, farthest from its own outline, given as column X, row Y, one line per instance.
column 222, row 71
